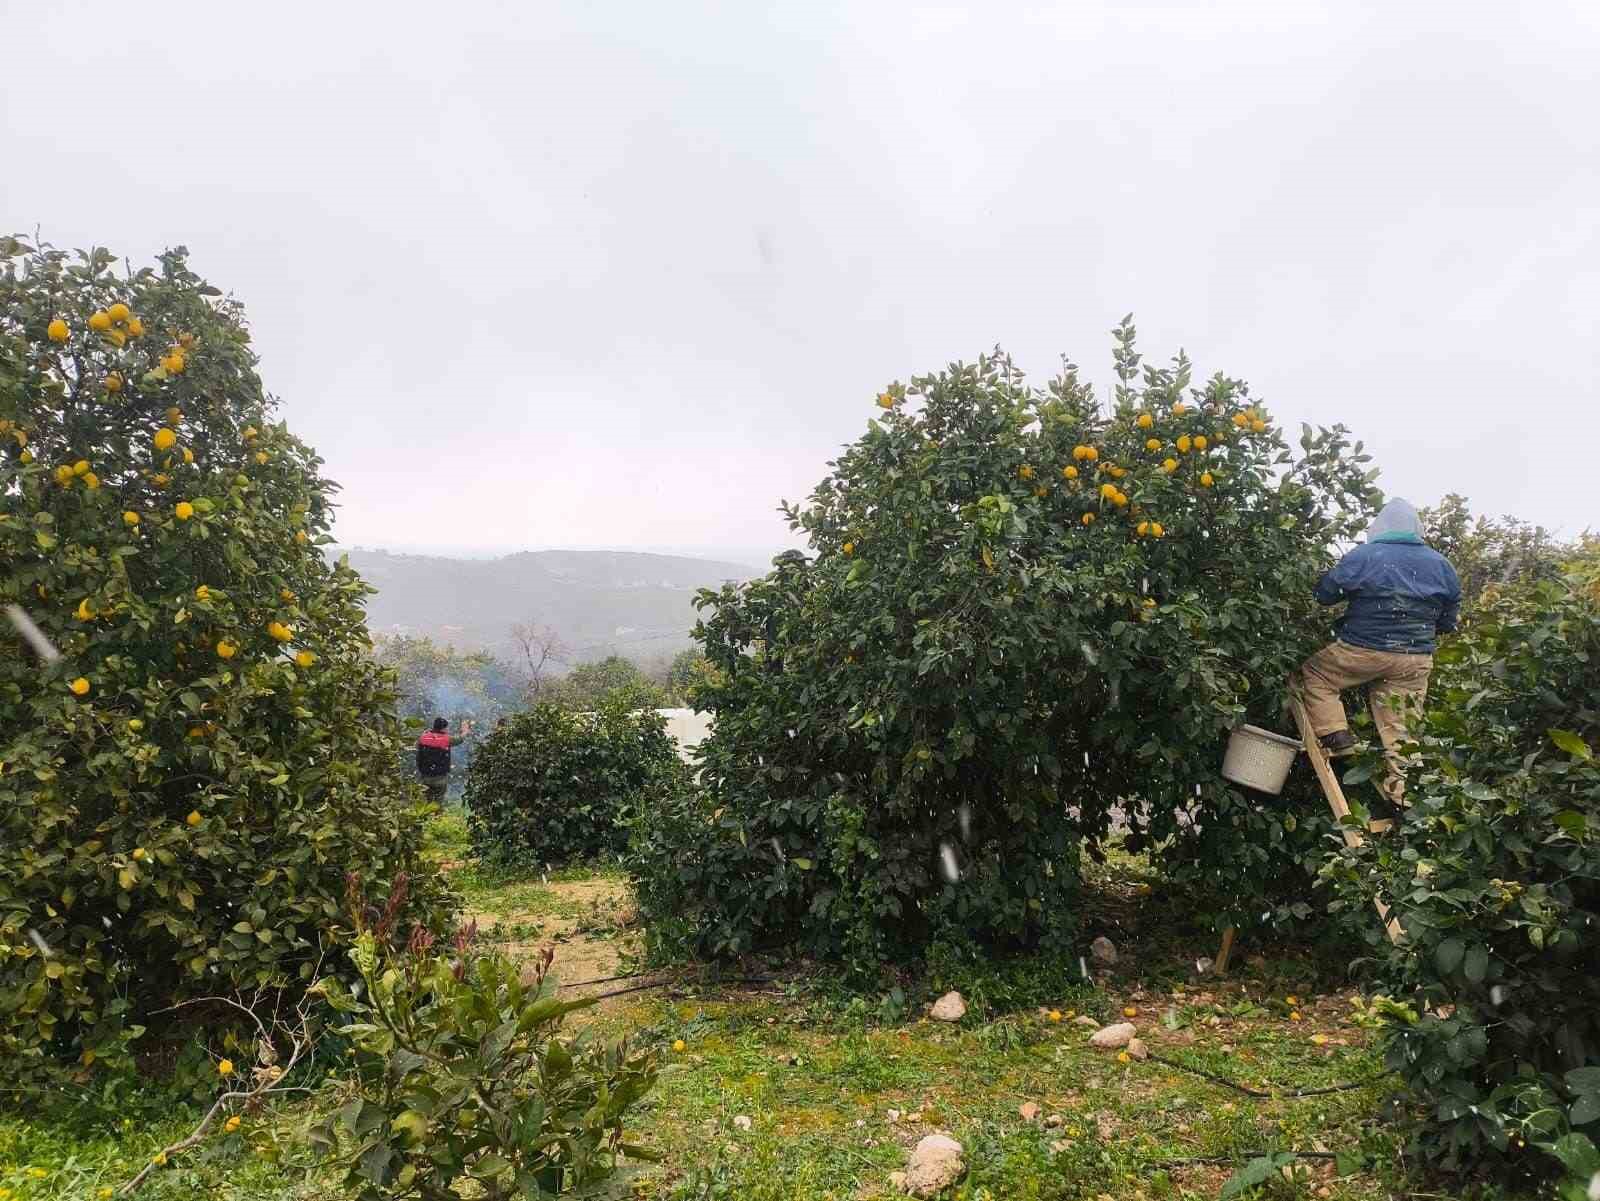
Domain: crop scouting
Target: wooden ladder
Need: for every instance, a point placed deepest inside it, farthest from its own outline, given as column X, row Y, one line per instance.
column 1341, row 809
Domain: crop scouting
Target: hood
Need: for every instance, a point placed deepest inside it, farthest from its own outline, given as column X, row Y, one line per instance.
column 1397, row 521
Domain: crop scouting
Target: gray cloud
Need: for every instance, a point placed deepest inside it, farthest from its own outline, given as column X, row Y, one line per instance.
column 626, row 274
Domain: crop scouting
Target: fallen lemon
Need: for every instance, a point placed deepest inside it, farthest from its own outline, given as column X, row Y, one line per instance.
column 1130, row 1011
column 1055, row 1015
column 1124, row 1057
column 225, row 1067
column 231, row 1124
column 678, row 1044
column 1295, row 1016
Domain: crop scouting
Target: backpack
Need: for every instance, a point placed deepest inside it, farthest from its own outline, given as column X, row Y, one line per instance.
column 433, row 754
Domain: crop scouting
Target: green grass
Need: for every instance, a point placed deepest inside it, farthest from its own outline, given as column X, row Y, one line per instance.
column 818, row 1072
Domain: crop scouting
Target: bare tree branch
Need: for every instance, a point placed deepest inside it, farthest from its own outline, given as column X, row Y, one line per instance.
column 540, row 646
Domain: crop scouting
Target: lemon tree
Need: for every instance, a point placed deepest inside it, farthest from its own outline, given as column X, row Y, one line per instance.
column 184, row 788
column 1023, row 614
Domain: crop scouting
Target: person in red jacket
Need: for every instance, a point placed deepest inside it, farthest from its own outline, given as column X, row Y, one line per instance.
column 433, row 757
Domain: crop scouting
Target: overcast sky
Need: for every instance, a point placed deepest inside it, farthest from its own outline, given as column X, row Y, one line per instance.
column 628, row 273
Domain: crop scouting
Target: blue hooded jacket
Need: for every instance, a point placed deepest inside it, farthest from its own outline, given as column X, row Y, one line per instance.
column 1403, row 594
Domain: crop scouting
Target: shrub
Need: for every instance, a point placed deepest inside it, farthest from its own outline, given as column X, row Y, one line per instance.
column 184, row 788
column 461, row 1076
column 548, row 785
column 1022, row 611
column 1495, row 877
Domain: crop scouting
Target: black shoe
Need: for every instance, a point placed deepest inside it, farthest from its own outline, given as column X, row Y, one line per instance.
column 1340, row 742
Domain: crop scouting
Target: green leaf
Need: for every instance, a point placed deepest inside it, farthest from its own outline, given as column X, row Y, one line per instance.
column 1448, row 954
column 1572, row 744
column 1476, row 965
column 1255, row 1173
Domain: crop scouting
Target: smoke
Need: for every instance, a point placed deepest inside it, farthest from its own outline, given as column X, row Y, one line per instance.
column 449, row 698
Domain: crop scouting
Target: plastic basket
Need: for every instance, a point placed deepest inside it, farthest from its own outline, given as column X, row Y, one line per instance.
column 1259, row 759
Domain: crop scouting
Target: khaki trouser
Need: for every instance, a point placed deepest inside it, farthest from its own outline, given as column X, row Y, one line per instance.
column 1397, row 686
column 437, row 786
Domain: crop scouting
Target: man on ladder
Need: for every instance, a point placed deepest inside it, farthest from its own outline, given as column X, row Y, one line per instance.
column 1402, row 595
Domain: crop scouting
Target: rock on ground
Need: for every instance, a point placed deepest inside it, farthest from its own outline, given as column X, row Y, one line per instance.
column 1137, row 1049
column 1028, row 1111
column 1103, row 950
column 1113, row 1037
column 935, row 1164
column 948, row 1008
column 1086, row 1021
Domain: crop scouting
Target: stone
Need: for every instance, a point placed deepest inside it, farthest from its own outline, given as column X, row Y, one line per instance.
column 1084, row 1019
column 935, row 1165
column 948, row 1008
column 1055, row 1121
column 1203, row 965
column 1028, row 1111
column 892, row 1115
column 1137, row 1049
column 1060, row 1145
column 741, row 1122
column 1113, row 1037
column 897, row 1181
column 1103, row 950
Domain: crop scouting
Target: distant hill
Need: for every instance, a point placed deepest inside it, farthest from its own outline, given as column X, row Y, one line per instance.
column 599, row 602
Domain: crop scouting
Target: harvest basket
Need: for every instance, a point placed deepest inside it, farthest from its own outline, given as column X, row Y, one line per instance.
column 1259, row 759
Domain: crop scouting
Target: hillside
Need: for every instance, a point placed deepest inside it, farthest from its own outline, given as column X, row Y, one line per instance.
column 599, row 602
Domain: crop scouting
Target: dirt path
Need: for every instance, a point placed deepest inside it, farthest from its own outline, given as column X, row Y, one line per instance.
column 589, row 923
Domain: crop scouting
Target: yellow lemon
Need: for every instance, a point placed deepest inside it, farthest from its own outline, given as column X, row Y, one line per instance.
column 183, row 510
column 250, row 431
column 135, row 327
column 1157, row 529
column 1055, row 1015
column 1142, row 528
column 1080, row 452
column 1199, row 441
column 225, row 1067
column 678, row 1044
column 1129, row 1011
column 1124, row 1057
column 188, row 455
column 231, row 1124
column 1120, row 500
column 1179, row 409
column 84, row 613
column 174, row 415
column 159, row 1159
column 138, row 853
column 226, row 650
column 135, row 725
column 1108, row 490
column 885, row 401
column 202, row 593
column 1295, row 1016
column 100, row 322
column 1087, row 519
column 118, row 312
column 130, row 518
column 117, row 337
column 105, row 1192
column 1319, row 1039
column 1152, row 443
column 1169, row 465
column 173, row 362
column 1025, row 472
column 262, row 456
column 305, row 658
column 286, row 596
column 1090, row 454
column 1258, row 426
column 1184, row 442
column 279, row 631
column 165, row 439
column 161, row 479
column 56, row 331
column 1292, row 1000
column 194, row 818
column 63, row 474
column 1145, row 421
column 1149, row 602
column 1069, row 473
column 300, row 537
column 1207, row 479
column 849, row 548
column 1241, row 420
column 91, row 481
